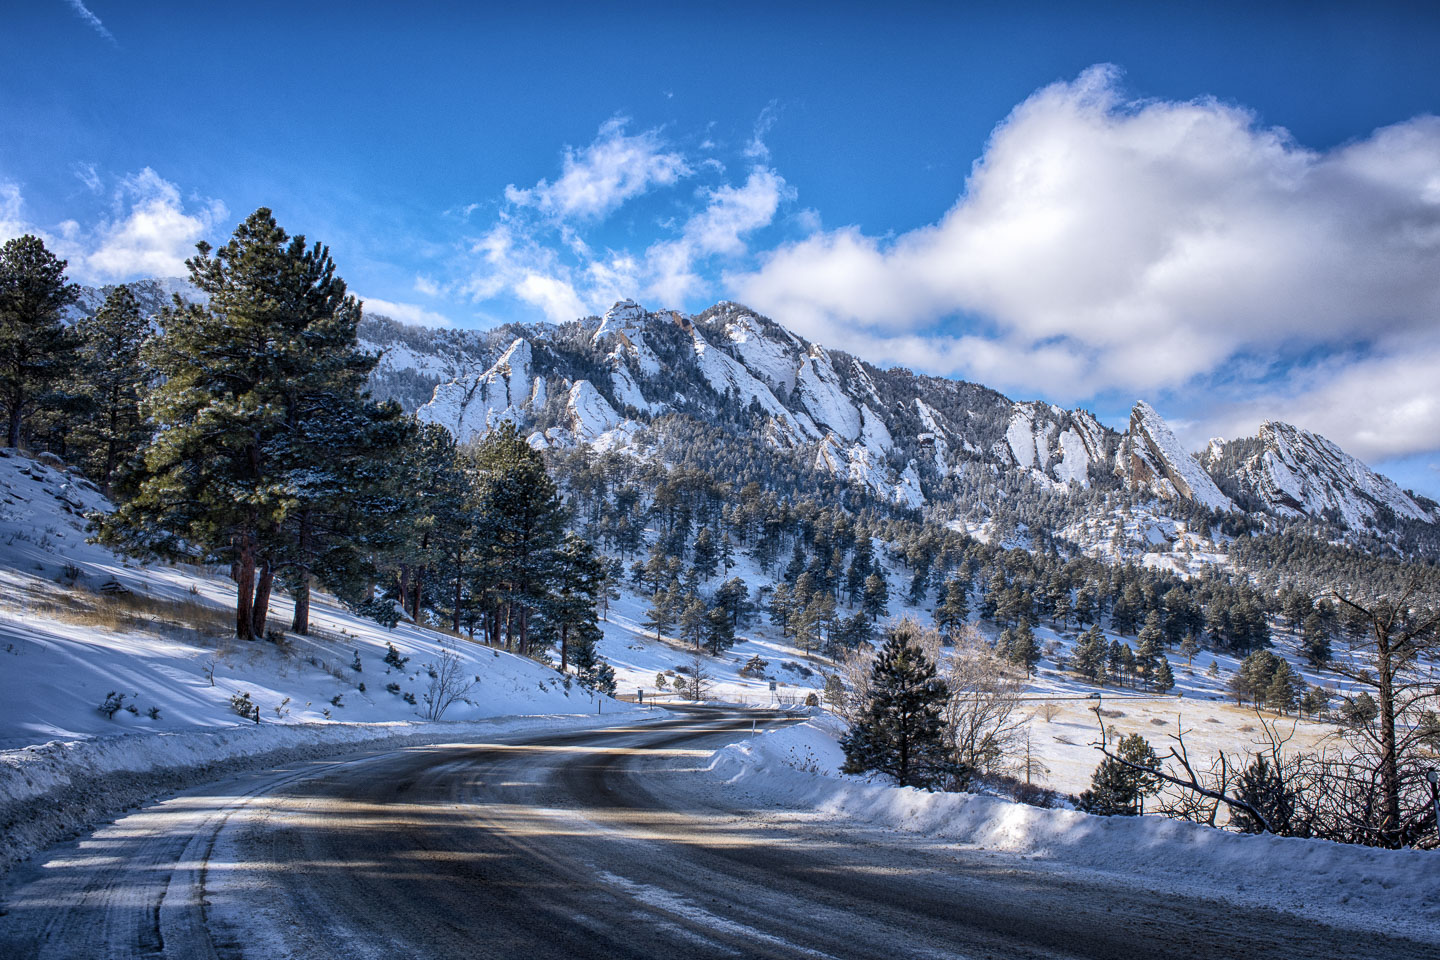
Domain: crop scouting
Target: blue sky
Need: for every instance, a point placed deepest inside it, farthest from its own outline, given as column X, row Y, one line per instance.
column 1233, row 214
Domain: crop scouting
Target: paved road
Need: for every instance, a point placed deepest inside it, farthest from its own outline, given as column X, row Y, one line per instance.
column 595, row 844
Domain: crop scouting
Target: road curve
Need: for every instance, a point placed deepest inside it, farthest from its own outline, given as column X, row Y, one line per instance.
column 603, row 843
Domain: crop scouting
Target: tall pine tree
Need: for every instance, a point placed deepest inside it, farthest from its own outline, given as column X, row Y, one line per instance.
column 901, row 729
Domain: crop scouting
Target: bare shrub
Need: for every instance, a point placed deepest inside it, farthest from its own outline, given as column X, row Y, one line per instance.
column 448, row 684
column 982, row 716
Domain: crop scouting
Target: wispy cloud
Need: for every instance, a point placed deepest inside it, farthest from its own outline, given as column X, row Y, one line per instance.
column 84, row 13
column 597, row 179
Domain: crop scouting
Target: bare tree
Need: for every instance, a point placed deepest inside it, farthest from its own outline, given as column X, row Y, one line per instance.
column 448, row 683
column 983, row 721
column 699, row 676
column 1390, row 660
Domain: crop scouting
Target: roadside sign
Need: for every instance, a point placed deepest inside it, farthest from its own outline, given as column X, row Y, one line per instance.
column 772, row 686
column 640, row 695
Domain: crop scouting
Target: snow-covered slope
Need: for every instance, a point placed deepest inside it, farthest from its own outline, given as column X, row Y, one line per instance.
column 1295, row 472
column 78, row 623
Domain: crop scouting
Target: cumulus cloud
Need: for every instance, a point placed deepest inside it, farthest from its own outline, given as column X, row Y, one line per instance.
column 149, row 231
column 730, row 214
column 1134, row 244
column 597, row 179
column 406, row 312
column 152, row 232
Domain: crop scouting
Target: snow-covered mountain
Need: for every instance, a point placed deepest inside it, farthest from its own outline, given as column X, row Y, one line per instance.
column 618, row 382
column 1293, row 472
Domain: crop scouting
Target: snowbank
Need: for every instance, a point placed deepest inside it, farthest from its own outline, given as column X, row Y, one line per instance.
column 1394, row 890
column 54, row 790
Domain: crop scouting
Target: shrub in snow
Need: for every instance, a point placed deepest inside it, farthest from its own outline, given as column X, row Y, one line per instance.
column 112, row 703
column 338, row 700
column 393, row 688
column 245, row 707
column 393, row 658
column 153, row 713
column 355, row 664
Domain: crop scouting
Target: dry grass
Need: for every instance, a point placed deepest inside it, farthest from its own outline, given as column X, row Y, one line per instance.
column 124, row 612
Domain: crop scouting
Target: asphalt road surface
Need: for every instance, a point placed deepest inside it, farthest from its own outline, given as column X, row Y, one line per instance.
column 603, row 843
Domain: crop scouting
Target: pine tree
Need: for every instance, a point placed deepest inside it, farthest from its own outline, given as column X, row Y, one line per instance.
column 37, row 351
column 218, row 475
column 1090, row 654
column 719, row 631
column 1022, row 650
column 1147, row 653
column 1164, row 678
column 954, row 610
column 706, row 554
column 522, row 519
column 1265, row 789
column 900, row 732
column 661, row 613
column 877, row 597
column 1120, row 790
column 591, row 670
column 1315, row 640
column 111, row 431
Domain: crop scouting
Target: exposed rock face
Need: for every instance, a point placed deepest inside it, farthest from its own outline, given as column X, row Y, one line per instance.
column 1294, row 472
column 904, row 438
column 1150, row 459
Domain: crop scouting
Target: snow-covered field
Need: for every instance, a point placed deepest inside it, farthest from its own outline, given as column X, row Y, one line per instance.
column 1392, row 890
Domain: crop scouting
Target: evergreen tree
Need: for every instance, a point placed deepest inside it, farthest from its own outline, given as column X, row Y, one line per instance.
column 954, row 610
column 37, row 350
column 521, row 514
column 1147, row 654
column 1022, row 650
column 570, row 608
column 1091, row 653
column 1120, row 790
column 590, row 668
column 1315, row 640
column 1164, row 678
column 719, row 631
column 219, row 475
column 900, row 731
column 877, row 597
column 660, row 615
column 1263, row 787
column 110, row 431
column 706, row 554
column 733, row 596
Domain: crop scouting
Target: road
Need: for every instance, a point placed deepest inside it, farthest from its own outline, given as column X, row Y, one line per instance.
column 603, row 843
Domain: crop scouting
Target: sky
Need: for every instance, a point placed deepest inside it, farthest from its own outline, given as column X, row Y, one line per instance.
column 1230, row 212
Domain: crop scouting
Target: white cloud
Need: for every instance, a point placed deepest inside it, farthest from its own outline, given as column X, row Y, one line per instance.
column 406, row 312
column 151, row 234
column 730, row 213
column 12, row 219
column 84, row 12
column 87, row 175
column 1135, row 245
column 599, row 178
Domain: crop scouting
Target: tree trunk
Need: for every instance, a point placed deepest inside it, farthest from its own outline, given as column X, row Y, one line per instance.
column 1389, row 754
column 244, row 588
column 457, row 603
column 16, row 402
column 261, row 608
column 416, row 590
column 300, row 623
column 564, row 646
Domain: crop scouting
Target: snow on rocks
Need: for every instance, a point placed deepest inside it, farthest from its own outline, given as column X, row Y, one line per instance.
column 1298, row 472
column 1393, row 890
column 472, row 407
column 824, row 398
column 1151, row 459
column 771, row 361
column 729, row 377
column 590, row 414
column 624, row 326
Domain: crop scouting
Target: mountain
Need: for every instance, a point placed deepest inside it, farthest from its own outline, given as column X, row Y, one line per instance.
column 633, row 380
column 1287, row 471
column 908, row 440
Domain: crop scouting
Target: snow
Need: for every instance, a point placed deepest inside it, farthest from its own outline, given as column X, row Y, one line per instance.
column 627, row 391
column 774, row 363
column 1300, row 472
column 625, row 324
column 1020, row 435
column 1074, row 465
column 1156, row 461
column 727, row 375
column 590, row 414
column 471, row 407
column 823, row 397
column 78, row 622
column 1397, row 891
